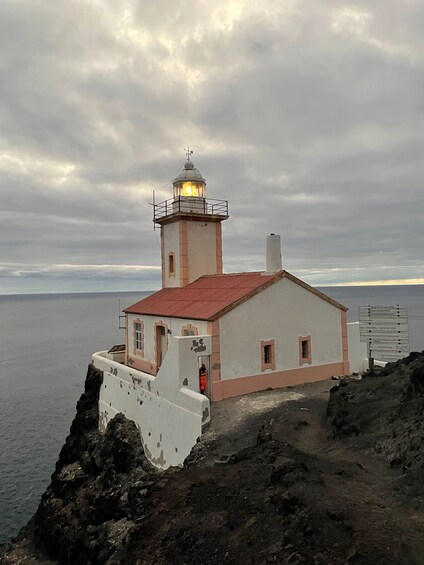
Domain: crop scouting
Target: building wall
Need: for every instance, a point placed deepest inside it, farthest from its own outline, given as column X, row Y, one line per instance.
column 167, row 409
column 281, row 314
column 170, row 243
column 202, row 249
column 146, row 360
column 358, row 351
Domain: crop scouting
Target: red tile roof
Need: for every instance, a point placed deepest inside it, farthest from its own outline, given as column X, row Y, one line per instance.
column 211, row 296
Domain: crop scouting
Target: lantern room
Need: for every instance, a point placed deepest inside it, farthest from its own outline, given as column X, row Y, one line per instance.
column 189, row 197
column 189, row 182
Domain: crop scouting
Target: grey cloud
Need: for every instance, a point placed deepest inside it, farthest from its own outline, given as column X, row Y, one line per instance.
column 307, row 120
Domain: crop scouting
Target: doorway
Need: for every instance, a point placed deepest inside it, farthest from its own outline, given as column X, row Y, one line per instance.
column 206, row 360
column 160, row 345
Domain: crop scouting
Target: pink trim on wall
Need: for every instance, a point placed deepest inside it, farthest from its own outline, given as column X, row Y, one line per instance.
column 213, row 331
column 141, row 365
column 155, row 351
column 217, row 391
column 183, row 253
column 134, row 350
column 189, row 328
column 280, row 379
column 308, row 358
column 345, row 347
column 219, row 266
column 171, row 272
column 127, row 344
column 162, row 255
column 271, row 363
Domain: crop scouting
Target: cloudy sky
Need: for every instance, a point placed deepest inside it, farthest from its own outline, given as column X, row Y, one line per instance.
column 306, row 116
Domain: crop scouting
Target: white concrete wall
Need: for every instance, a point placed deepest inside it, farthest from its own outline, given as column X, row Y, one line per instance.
column 282, row 312
column 358, row 351
column 175, row 325
column 171, row 244
column 201, row 240
column 167, row 409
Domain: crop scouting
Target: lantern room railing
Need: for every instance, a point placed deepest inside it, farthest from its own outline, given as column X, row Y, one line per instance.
column 190, row 205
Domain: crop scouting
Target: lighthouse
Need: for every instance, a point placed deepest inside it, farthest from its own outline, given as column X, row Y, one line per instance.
column 206, row 336
column 190, row 228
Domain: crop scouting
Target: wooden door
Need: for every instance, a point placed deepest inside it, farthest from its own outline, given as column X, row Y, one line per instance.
column 160, row 345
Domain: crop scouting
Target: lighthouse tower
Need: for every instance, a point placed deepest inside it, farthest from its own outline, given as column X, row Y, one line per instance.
column 190, row 226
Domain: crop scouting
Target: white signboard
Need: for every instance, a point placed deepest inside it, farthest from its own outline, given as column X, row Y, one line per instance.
column 385, row 330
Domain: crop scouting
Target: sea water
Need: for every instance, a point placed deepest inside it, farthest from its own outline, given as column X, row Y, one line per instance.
column 410, row 296
column 46, row 342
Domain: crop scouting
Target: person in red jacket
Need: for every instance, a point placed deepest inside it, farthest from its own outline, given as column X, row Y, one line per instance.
column 202, row 379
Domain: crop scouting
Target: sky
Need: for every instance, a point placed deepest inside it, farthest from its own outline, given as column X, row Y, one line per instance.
column 306, row 116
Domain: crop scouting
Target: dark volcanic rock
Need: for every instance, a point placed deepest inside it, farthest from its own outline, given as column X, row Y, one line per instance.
column 97, row 492
column 91, row 508
column 288, row 493
column 386, row 414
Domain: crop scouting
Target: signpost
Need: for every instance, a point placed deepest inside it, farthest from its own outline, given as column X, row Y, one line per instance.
column 385, row 330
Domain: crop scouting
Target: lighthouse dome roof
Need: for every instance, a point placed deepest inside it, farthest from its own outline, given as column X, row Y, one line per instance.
column 189, row 173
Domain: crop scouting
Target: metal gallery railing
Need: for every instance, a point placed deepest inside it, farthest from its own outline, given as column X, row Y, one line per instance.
column 192, row 205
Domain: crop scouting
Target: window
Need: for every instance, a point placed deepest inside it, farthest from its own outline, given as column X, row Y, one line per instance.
column 171, row 264
column 189, row 188
column 189, row 329
column 267, row 355
column 305, row 352
column 138, row 332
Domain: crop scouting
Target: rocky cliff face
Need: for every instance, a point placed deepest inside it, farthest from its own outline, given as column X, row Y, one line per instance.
column 295, row 490
column 97, row 490
column 385, row 415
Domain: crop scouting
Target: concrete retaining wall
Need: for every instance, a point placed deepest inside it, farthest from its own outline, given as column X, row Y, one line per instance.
column 167, row 409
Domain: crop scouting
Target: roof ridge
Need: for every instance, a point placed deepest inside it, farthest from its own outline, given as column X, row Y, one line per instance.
column 232, row 274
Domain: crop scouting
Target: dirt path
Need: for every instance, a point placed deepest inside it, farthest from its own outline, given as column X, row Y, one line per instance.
column 331, row 504
column 360, row 482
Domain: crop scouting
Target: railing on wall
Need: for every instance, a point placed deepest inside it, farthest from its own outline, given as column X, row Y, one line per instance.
column 191, row 205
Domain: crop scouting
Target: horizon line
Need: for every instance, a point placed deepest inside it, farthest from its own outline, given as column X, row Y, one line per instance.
column 389, row 282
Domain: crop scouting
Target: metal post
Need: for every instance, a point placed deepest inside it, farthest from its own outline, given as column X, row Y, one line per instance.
column 370, row 358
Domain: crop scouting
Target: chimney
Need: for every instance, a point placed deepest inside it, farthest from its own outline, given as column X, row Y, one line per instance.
column 273, row 253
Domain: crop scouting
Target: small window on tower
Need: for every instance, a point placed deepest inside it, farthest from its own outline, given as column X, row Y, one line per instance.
column 171, row 264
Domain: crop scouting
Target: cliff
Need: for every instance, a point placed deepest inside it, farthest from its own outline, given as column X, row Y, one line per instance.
column 272, row 481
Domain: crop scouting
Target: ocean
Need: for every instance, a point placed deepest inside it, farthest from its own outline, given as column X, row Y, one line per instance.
column 46, row 342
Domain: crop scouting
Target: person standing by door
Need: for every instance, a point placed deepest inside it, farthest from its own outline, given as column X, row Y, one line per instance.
column 202, row 379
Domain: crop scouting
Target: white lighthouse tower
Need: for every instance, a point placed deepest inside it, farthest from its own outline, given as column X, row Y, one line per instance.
column 191, row 240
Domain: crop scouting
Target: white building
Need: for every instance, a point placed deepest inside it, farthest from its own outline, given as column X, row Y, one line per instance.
column 268, row 329
column 251, row 330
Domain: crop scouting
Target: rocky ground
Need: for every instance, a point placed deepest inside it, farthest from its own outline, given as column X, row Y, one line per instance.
column 323, row 473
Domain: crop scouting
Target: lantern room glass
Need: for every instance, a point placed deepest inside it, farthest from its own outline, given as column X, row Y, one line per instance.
column 189, row 188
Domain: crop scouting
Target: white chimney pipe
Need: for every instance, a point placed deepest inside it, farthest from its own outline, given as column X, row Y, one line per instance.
column 273, row 253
